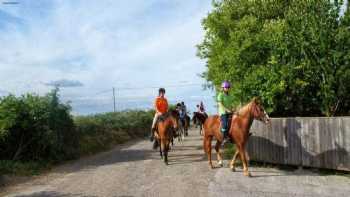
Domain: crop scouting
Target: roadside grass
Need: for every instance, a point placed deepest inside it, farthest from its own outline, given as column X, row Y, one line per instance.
column 21, row 168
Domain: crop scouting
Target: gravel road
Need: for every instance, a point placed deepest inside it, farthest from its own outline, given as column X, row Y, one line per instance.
column 134, row 169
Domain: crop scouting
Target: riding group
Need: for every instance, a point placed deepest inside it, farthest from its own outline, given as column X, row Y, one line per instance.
column 228, row 126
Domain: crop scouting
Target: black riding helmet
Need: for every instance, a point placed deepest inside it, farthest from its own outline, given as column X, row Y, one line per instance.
column 161, row 90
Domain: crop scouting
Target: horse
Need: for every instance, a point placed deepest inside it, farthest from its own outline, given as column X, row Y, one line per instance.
column 198, row 120
column 238, row 132
column 188, row 123
column 167, row 125
column 184, row 124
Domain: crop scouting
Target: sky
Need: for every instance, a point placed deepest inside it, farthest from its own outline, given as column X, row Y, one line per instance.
column 90, row 46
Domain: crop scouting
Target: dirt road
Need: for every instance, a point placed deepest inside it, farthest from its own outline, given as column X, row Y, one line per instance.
column 134, row 169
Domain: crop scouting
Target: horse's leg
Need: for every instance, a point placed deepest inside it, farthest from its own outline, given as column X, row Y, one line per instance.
column 218, row 154
column 232, row 164
column 166, row 149
column 242, row 153
column 207, row 147
column 160, row 149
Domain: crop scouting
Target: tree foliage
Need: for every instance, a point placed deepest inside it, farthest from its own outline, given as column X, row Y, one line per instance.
column 294, row 55
column 36, row 128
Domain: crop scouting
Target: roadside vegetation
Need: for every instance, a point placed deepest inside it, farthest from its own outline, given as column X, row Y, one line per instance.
column 37, row 132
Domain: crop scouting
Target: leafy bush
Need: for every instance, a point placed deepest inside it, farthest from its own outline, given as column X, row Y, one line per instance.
column 295, row 54
column 34, row 128
column 37, row 131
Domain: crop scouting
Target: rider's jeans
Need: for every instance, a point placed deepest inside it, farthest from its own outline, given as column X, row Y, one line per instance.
column 224, row 122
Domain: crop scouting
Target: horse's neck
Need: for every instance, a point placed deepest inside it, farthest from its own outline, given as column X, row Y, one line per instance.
column 202, row 117
column 168, row 123
column 245, row 113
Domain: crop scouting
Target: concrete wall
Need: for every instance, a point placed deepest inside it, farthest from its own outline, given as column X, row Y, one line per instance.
column 313, row 142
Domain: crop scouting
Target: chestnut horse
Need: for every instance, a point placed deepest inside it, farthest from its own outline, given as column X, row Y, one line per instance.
column 239, row 132
column 167, row 125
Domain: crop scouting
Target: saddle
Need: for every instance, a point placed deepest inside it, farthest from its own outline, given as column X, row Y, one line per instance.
column 163, row 117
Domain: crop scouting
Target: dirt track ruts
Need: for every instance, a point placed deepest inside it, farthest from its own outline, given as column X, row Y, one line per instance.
column 134, row 169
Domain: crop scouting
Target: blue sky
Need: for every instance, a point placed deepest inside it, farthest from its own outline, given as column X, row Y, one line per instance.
column 91, row 46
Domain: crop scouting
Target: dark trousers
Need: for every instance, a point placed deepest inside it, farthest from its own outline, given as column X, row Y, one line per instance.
column 224, row 123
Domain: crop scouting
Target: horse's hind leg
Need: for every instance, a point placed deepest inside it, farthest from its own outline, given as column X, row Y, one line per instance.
column 218, row 154
column 207, row 148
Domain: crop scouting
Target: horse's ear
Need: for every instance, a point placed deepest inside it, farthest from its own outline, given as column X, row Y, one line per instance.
column 256, row 100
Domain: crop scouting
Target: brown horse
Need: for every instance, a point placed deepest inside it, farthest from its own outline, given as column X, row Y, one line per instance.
column 167, row 125
column 239, row 132
column 198, row 120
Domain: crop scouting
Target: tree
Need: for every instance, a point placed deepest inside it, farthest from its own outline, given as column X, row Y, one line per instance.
column 36, row 127
column 293, row 54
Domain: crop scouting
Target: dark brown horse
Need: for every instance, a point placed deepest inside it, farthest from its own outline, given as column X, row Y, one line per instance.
column 239, row 132
column 167, row 125
column 199, row 119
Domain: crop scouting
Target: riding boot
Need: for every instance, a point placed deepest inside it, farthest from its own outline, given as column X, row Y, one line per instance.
column 155, row 144
column 151, row 138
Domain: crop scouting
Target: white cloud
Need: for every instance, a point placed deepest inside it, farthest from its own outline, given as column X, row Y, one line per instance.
column 102, row 44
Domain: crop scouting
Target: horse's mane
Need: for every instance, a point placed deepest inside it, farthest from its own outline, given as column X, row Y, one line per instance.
column 201, row 115
column 245, row 108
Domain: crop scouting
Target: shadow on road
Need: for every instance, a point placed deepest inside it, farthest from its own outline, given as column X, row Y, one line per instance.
column 54, row 194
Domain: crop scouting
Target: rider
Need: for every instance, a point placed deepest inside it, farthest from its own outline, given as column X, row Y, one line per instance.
column 201, row 108
column 225, row 102
column 161, row 107
column 183, row 109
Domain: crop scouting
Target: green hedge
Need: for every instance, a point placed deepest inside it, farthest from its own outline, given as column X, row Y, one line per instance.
column 102, row 131
column 35, row 128
column 38, row 131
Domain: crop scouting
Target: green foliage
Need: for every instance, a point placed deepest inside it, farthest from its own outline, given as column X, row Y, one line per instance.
column 37, row 131
column 22, row 168
column 102, row 131
column 294, row 54
column 34, row 128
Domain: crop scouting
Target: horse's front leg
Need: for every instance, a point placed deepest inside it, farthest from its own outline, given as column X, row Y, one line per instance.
column 166, row 150
column 160, row 149
column 232, row 163
column 242, row 151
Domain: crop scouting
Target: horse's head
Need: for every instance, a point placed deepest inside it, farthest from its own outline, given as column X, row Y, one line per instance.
column 258, row 111
column 175, row 116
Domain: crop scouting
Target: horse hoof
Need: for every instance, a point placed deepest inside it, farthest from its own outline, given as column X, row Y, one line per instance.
column 247, row 174
column 233, row 169
column 220, row 163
